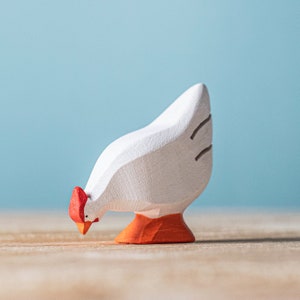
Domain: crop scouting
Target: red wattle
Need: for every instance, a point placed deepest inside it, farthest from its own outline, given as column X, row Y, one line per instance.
column 77, row 203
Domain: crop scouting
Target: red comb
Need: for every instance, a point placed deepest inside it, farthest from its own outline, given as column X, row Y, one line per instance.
column 77, row 203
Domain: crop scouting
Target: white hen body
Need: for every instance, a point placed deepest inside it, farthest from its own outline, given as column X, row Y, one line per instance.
column 159, row 169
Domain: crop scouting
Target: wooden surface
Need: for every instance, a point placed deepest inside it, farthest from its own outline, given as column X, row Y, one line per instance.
column 236, row 256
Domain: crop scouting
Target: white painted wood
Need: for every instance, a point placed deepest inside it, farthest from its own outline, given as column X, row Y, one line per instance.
column 159, row 169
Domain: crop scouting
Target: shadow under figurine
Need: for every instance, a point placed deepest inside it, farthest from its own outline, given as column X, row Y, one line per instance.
column 156, row 172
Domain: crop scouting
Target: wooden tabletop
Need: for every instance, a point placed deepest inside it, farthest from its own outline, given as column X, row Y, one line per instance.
column 236, row 256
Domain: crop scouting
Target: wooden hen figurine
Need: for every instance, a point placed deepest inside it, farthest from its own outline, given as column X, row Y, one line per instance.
column 156, row 172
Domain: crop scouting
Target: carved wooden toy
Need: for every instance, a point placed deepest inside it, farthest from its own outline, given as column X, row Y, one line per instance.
column 156, row 172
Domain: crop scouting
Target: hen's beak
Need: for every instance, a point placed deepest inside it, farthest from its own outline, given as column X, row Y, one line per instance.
column 84, row 227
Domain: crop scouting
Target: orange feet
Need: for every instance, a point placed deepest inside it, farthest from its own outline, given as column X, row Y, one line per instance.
column 166, row 229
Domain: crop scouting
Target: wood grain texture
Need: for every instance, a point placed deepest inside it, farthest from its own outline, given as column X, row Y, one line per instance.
column 236, row 256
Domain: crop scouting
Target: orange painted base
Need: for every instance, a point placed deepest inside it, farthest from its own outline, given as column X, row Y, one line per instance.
column 166, row 229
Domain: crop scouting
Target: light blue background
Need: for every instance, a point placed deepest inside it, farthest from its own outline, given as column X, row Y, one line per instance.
column 75, row 75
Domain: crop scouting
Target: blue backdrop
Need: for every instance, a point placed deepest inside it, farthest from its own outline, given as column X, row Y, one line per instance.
column 75, row 75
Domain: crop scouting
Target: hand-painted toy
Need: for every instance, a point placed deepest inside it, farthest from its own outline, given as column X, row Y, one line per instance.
column 156, row 172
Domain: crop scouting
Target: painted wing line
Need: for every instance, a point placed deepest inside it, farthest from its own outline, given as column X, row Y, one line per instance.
column 200, row 126
column 205, row 150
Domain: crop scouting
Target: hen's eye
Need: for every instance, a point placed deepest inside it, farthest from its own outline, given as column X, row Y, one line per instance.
column 86, row 216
